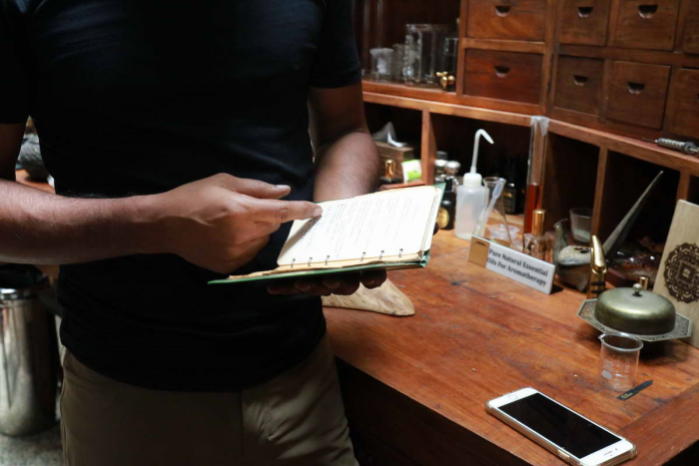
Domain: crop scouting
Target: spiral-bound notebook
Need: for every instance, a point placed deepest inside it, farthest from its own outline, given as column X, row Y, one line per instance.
column 385, row 230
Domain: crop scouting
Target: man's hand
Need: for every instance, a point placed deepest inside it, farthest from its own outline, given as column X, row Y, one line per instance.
column 343, row 284
column 220, row 223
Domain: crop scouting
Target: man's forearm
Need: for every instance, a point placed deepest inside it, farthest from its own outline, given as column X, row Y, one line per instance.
column 37, row 227
column 347, row 167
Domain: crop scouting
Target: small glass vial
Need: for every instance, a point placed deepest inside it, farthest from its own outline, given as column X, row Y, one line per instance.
column 390, row 176
column 452, row 169
column 439, row 170
column 381, row 64
column 447, row 210
column 536, row 244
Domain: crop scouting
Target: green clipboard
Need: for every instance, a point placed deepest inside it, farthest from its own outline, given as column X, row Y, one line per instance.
column 315, row 273
column 399, row 265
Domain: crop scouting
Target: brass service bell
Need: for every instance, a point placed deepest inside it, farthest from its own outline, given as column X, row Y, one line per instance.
column 635, row 311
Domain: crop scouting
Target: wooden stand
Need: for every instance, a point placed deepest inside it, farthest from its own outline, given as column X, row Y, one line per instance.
column 572, row 71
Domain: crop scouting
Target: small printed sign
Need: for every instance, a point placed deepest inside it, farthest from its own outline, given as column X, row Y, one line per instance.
column 509, row 263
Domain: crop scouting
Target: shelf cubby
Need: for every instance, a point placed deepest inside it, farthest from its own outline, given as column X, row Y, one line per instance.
column 408, row 123
column 570, row 177
column 625, row 179
column 693, row 194
column 456, row 136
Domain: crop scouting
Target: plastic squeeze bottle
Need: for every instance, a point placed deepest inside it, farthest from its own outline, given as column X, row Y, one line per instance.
column 471, row 195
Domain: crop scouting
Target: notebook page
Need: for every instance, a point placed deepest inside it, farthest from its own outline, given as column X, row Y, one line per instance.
column 372, row 226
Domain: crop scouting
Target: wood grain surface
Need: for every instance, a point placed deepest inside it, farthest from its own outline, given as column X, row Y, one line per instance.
column 583, row 21
column 420, row 384
column 507, row 19
column 637, row 94
column 503, row 75
column 683, row 103
column 579, row 84
column 646, row 25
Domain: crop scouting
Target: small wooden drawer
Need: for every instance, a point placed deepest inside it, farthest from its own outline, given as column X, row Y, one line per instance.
column 503, row 75
column 579, row 84
column 584, row 22
column 647, row 24
column 683, row 106
column 507, row 19
column 690, row 41
column 637, row 94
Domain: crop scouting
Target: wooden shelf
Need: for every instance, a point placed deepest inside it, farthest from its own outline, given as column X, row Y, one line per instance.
column 592, row 146
column 435, row 101
column 432, row 94
column 629, row 146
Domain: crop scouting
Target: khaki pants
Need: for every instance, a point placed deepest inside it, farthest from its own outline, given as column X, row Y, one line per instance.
column 295, row 419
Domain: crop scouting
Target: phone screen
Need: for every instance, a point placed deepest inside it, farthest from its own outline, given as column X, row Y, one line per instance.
column 561, row 426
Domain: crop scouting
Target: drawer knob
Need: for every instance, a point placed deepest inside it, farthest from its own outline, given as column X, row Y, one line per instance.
column 501, row 71
column 636, row 88
column 585, row 11
column 647, row 11
column 502, row 10
column 579, row 80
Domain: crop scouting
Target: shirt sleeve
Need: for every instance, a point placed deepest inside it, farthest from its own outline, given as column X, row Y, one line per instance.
column 14, row 89
column 337, row 61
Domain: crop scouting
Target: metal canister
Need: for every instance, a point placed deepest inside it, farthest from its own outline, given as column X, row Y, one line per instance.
column 439, row 170
column 28, row 354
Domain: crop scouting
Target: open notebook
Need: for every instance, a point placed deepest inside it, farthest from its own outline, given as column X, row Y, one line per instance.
column 385, row 230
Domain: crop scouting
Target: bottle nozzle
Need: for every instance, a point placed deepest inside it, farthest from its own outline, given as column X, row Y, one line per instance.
column 476, row 142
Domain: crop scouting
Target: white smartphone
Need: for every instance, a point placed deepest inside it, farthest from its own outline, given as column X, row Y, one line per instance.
column 562, row 431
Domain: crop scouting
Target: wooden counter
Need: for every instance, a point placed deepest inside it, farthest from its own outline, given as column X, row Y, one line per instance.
column 415, row 388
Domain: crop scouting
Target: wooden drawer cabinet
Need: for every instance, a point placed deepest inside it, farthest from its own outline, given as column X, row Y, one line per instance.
column 637, row 94
column 647, row 24
column 683, row 106
column 583, row 22
column 503, row 75
column 507, row 19
column 579, row 84
column 690, row 41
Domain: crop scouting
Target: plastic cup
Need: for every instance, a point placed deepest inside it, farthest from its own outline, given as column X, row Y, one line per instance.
column 619, row 360
column 580, row 224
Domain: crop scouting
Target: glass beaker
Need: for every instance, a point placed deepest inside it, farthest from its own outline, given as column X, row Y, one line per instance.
column 619, row 360
column 581, row 224
column 381, row 64
column 429, row 42
column 450, row 52
column 497, row 220
column 398, row 60
column 410, row 72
